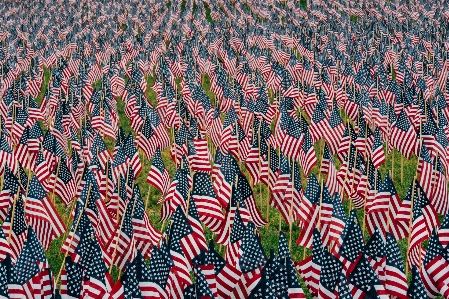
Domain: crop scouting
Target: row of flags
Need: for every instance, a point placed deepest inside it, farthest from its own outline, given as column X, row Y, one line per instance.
column 237, row 94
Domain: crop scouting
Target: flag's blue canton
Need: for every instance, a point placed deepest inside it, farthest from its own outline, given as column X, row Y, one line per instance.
column 202, row 186
column 214, row 258
column 394, row 257
column 64, row 173
column 352, row 238
column 276, row 272
column 253, row 255
column 387, row 186
column 312, row 192
column 375, row 247
column 160, row 266
column 36, row 246
column 127, row 224
column 19, row 225
column 3, row 282
column 26, row 266
column 343, row 288
column 238, row 229
column 317, row 248
column 330, row 270
column 229, row 168
column 143, row 273
column 158, row 162
column 4, row 146
column 294, row 130
column 96, row 269
column 130, row 282
column 10, row 181
column 35, row 189
column 425, row 156
column 307, row 144
column 335, row 119
column 318, row 115
column 179, row 229
column 74, row 273
column 416, row 290
column 137, row 201
column 363, row 276
column 24, row 138
column 402, row 122
column 231, row 118
column 85, row 232
column 119, row 158
column 202, row 287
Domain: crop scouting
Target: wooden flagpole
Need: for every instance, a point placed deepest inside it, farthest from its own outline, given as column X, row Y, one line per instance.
column 118, row 238
column 321, row 204
column 148, row 197
column 56, row 179
column 410, row 223
column 268, row 191
column 290, row 212
column 366, row 195
column 73, row 236
column 13, row 213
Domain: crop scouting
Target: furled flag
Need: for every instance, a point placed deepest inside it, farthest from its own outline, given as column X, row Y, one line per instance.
column 209, row 209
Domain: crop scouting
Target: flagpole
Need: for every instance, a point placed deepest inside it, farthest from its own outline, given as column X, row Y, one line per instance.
column 388, row 215
column 28, row 184
column 321, row 204
column 321, row 161
column 268, row 191
column 107, row 181
column 72, row 207
column 392, row 164
column 73, row 236
column 148, row 197
column 260, row 166
column 366, row 195
column 13, row 213
column 118, row 238
column 290, row 212
column 56, row 179
column 410, row 223
column 347, row 165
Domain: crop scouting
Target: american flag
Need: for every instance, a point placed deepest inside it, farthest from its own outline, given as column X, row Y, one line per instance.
column 42, row 215
column 180, row 237
column 158, row 175
column 209, row 208
column 364, row 282
column 435, row 265
column 402, row 135
column 71, row 279
column 15, row 227
column 63, row 182
column 25, row 281
column 350, row 243
column 330, row 269
column 145, row 234
column 122, row 247
column 377, row 153
column 330, row 170
column 424, row 221
column 395, row 280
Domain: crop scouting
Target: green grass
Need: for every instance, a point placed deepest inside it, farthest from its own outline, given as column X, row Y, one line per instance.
column 208, row 11
column 183, row 5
